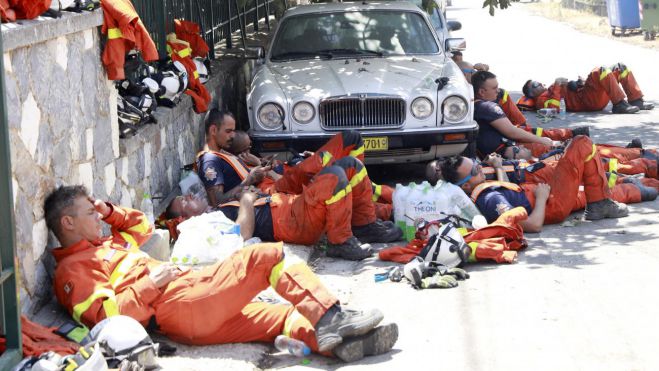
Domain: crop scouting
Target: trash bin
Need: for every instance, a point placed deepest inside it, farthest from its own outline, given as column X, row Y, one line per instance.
column 649, row 18
column 624, row 15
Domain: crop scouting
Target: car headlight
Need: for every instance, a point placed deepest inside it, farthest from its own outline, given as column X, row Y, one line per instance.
column 303, row 112
column 421, row 108
column 271, row 116
column 455, row 109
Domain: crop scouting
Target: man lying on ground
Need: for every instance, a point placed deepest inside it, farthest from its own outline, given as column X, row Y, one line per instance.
column 547, row 203
column 98, row 276
column 593, row 94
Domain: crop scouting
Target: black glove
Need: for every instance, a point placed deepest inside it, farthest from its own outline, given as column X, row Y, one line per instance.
column 459, row 273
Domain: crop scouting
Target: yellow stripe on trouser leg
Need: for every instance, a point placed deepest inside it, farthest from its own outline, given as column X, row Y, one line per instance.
column 624, row 73
column 377, row 191
column 278, row 270
column 290, row 321
column 592, row 154
column 613, row 170
column 357, row 152
column 339, row 195
column 604, row 72
column 538, row 132
column 326, row 157
column 357, row 178
column 472, row 256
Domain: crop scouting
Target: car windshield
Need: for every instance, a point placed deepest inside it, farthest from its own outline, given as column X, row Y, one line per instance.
column 346, row 34
column 431, row 7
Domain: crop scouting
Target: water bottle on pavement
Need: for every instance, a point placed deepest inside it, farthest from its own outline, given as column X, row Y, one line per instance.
column 563, row 112
column 147, row 207
column 295, row 347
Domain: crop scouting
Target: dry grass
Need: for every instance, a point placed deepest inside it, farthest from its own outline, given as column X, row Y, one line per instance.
column 586, row 22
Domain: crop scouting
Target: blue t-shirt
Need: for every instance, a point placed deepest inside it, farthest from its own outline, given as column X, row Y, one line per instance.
column 489, row 138
column 495, row 201
column 263, row 228
column 214, row 170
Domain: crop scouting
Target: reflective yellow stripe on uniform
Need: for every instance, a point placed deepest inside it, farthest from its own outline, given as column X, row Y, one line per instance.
column 357, row 178
column 504, row 99
column 184, row 52
column 474, row 246
column 122, row 268
column 538, row 132
column 624, row 74
column 357, row 152
column 462, row 231
column 114, row 33
column 553, row 102
column 590, row 157
column 72, row 365
column 81, row 308
column 377, row 191
column 603, row 73
column 290, row 321
column 275, row 273
column 339, row 195
column 195, row 74
column 613, row 168
column 129, row 238
column 325, row 157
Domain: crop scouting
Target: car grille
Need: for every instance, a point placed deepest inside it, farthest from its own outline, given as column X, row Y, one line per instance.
column 362, row 112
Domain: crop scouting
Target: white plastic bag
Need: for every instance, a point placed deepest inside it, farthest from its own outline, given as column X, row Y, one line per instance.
column 206, row 239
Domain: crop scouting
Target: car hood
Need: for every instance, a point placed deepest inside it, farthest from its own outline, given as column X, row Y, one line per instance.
column 327, row 78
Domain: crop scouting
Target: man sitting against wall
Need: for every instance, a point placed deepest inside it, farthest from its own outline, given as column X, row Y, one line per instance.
column 97, row 277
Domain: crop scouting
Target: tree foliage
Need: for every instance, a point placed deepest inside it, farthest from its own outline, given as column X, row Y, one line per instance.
column 501, row 4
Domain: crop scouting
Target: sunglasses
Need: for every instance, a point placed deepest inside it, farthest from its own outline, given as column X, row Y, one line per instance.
column 535, row 84
column 475, row 169
column 469, row 70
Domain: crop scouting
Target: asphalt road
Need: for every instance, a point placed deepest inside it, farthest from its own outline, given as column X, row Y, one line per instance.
column 581, row 297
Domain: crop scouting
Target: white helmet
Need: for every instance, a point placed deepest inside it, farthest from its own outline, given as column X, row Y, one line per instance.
column 144, row 102
column 182, row 74
column 201, row 70
column 61, row 4
column 446, row 248
column 172, row 85
column 124, row 338
column 415, row 270
column 152, row 85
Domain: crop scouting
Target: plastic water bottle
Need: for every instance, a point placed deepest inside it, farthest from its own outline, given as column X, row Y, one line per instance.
column 563, row 110
column 147, row 207
column 295, row 347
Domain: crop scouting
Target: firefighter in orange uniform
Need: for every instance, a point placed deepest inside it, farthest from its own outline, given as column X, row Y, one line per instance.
column 125, row 31
column 546, row 203
column 97, row 277
column 601, row 87
column 319, row 178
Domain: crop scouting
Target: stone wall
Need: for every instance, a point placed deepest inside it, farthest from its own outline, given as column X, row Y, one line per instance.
column 63, row 130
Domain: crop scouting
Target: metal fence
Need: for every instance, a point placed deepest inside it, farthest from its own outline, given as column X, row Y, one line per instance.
column 218, row 19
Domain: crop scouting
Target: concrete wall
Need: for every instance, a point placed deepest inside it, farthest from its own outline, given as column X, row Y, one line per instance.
column 63, row 130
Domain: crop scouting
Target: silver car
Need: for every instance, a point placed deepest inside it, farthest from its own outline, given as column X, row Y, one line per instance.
column 379, row 68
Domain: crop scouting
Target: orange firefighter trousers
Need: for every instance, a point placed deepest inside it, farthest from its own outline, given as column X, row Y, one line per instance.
column 214, row 305
column 579, row 165
column 337, row 198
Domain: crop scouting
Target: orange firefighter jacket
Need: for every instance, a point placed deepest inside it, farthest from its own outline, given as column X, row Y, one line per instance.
column 189, row 32
column 499, row 241
column 180, row 50
column 125, row 31
column 109, row 276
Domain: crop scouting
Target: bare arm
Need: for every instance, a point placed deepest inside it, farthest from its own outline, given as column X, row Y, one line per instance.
column 217, row 196
column 246, row 217
column 510, row 131
column 536, row 220
column 495, row 160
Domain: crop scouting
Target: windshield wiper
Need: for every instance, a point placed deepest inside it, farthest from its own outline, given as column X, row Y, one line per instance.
column 353, row 51
column 302, row 55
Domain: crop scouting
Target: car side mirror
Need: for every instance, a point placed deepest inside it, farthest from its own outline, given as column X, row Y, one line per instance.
column 455, row 44
column 255, row 52
column 453, row 25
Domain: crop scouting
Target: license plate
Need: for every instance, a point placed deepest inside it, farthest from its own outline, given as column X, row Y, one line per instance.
column 376, row 144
